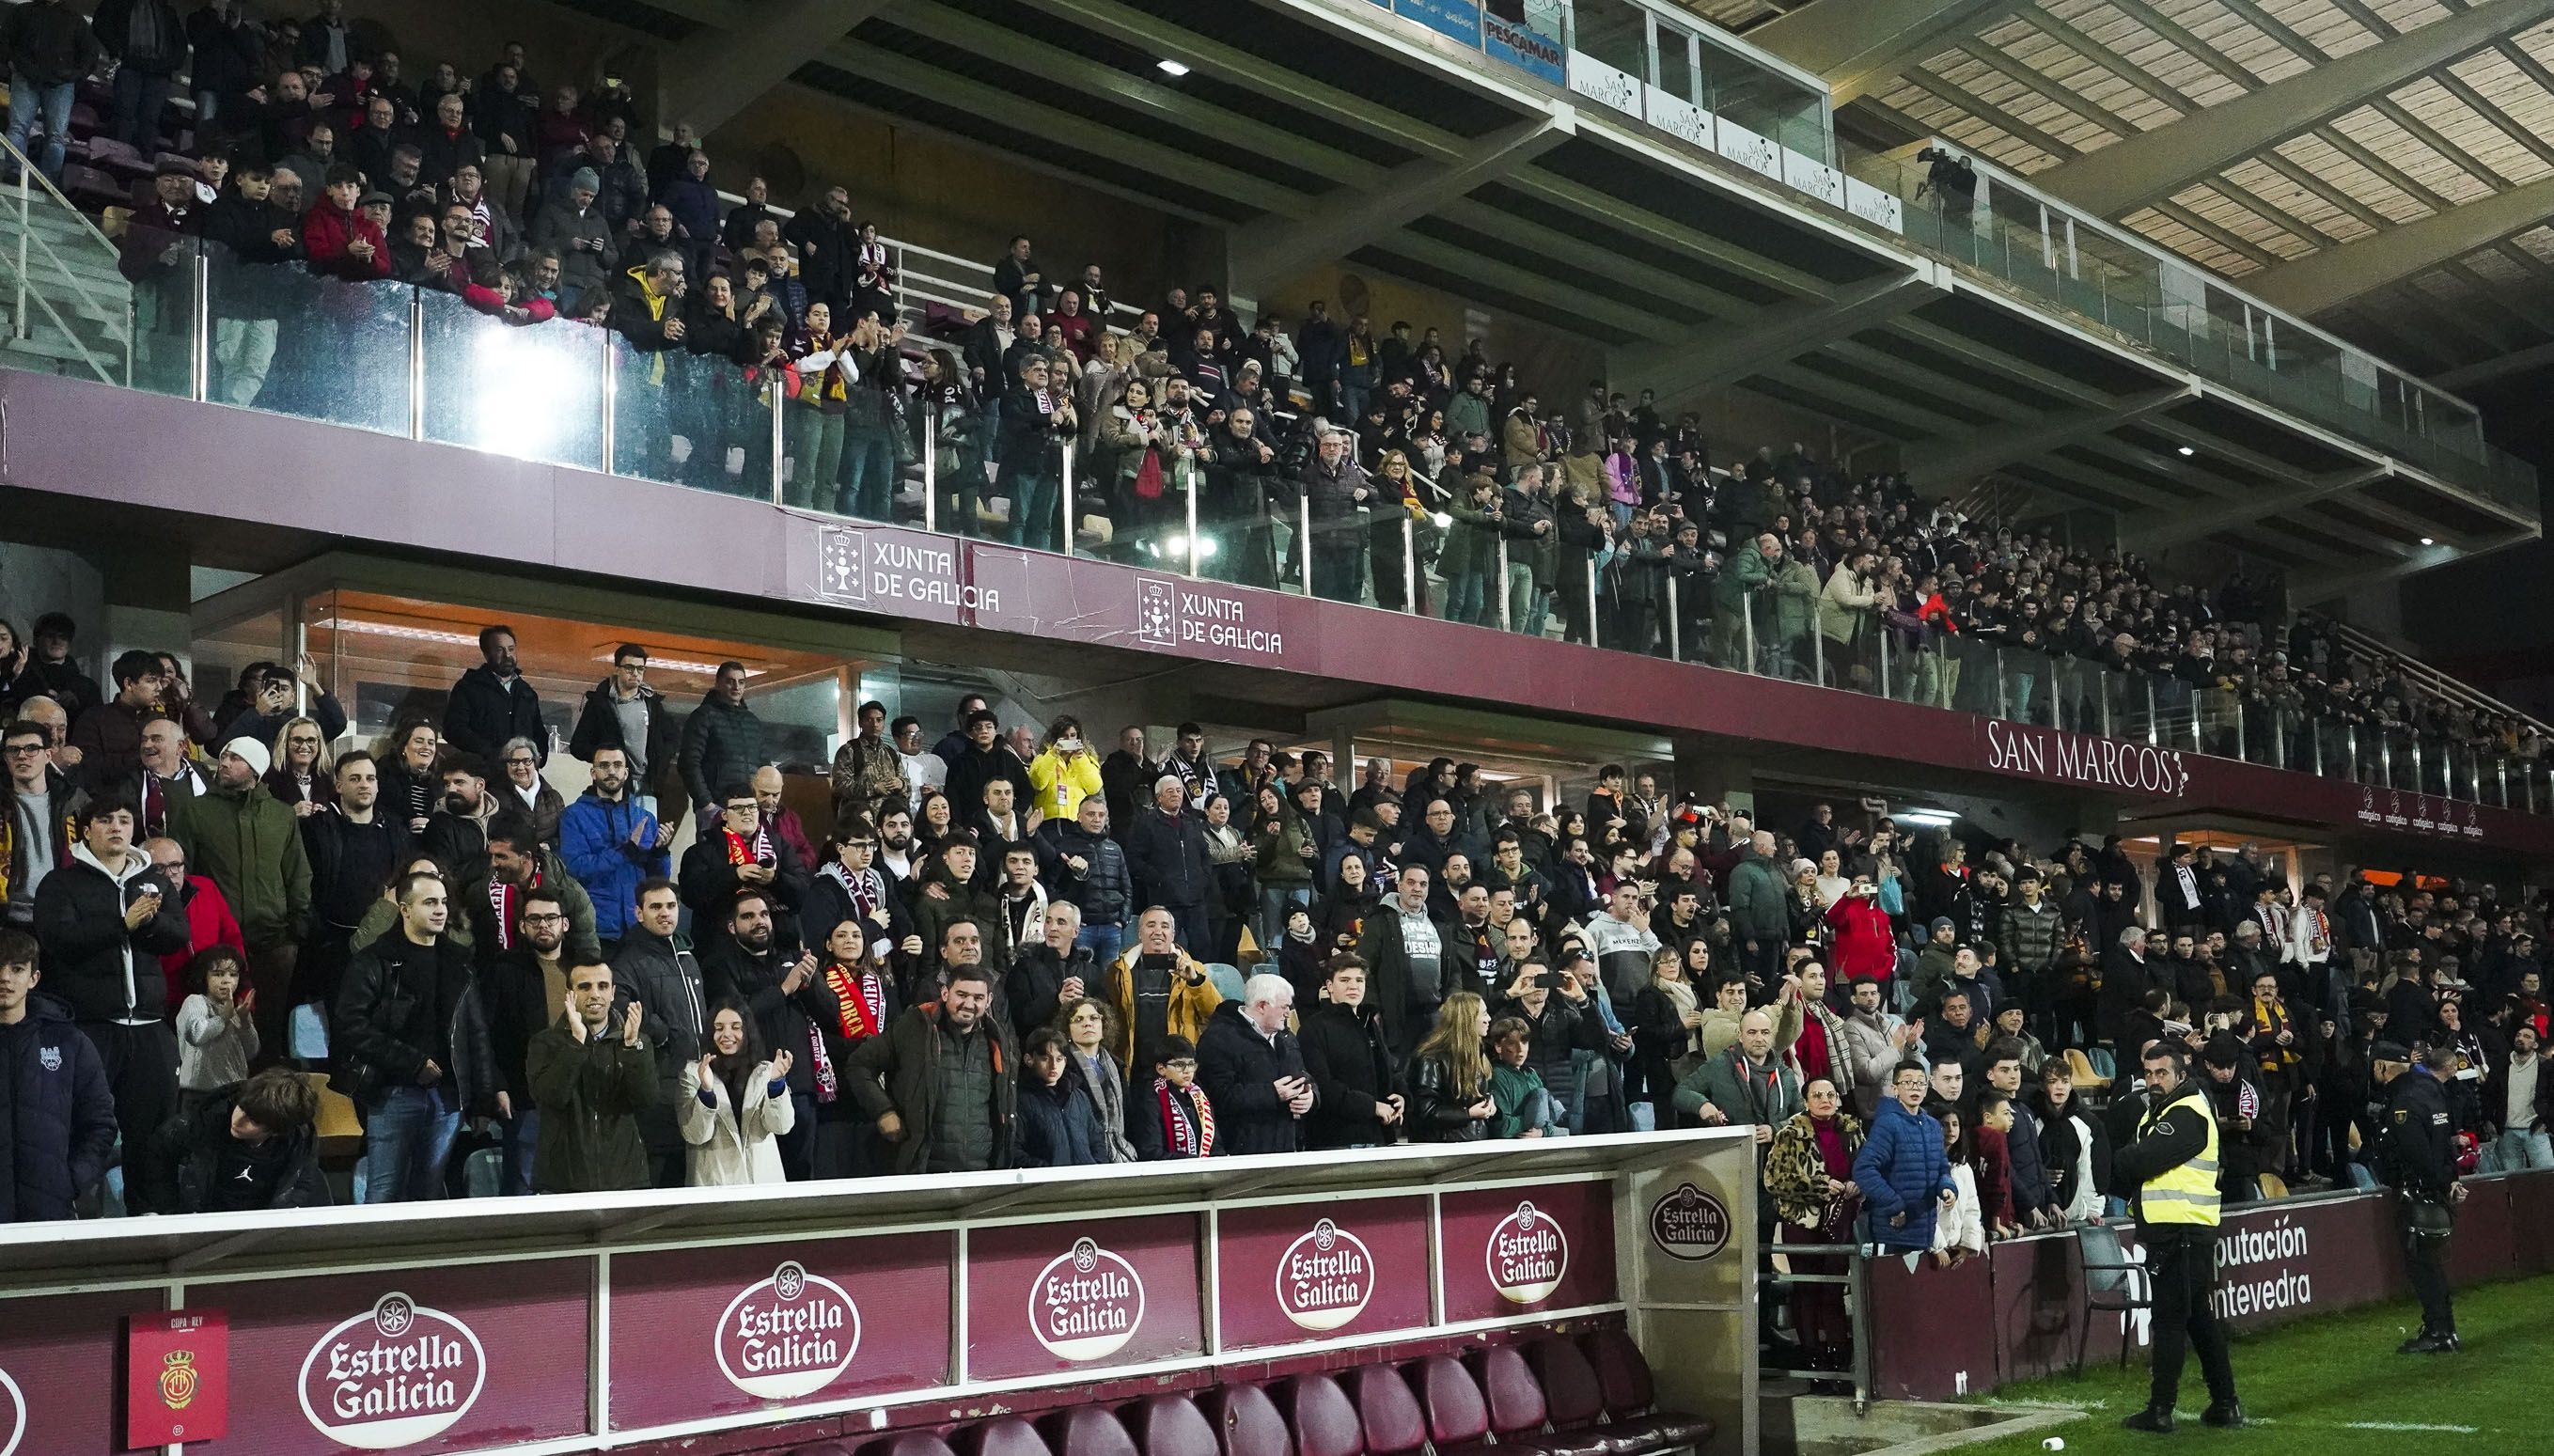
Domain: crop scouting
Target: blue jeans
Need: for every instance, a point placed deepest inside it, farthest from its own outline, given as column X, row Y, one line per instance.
column 28, row 103
column 522, row 1136
column 1034, row 503
column 408, row 1138
column 1103, row 941
column 1273, row 901
column 867, row 473
column 2519, row 1149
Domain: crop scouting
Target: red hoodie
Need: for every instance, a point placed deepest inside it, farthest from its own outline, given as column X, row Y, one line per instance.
column 325, row 235
column 1861, row 947
column 209, row 923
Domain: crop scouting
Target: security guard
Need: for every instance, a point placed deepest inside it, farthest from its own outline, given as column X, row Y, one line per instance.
column 2174, row 1165
column 2416, row 1157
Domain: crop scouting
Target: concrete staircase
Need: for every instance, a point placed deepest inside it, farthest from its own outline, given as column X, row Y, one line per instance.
column 77, row 308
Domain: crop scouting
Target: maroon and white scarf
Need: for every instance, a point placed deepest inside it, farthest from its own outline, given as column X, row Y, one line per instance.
column 503, row 898
column 1192, row 1136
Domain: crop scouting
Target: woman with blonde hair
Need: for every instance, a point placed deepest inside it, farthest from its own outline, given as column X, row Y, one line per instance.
column 1450, row 1075
column 1400, row 516
column 305, row 774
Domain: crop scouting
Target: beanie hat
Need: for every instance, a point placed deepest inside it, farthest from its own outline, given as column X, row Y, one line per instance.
column 585, row 177
column 251, row 752
column 1941, row 923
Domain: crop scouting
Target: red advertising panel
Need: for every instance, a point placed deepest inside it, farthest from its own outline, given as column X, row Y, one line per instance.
column 1043, row 1299
column 56, row 1393
column 176, row 1378
column 1514, row 1251
column 425, row 1360
column 1313, row 1270
column 706, row 1332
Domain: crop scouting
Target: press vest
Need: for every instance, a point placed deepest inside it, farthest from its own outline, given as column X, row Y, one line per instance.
column 2187, row 1192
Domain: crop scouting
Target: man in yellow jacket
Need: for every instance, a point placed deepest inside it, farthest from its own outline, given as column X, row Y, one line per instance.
column 1158, row 988
column 2174, row 1165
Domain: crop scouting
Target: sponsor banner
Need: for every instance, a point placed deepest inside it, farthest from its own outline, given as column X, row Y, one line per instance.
column 1677, row 117
column 176, row 1378
column 1512, row 1251
column 1805, row 174
column 1602, row 84
column 1456, row 20
column 447, row 1358
column 1178, row 613
column 1044, row 1299
column 1689, row 1223
column 2420, row 813
column 2083, row 759
column 1301, row 1272
column 1523, row 46
column 1747, row 148
column 1875, row 205
column 57, row 1390
column 704, row 1332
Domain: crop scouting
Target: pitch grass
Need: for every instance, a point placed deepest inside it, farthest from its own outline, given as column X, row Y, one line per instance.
column 2331, row 1386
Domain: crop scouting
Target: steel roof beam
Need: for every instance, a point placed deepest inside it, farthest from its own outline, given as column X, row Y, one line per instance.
column 1268, row 251
column 744, row 64
column 1984, row 450
column 1855, row 44
column 1784, row 332
column 2152, row 166
column 2319, row 280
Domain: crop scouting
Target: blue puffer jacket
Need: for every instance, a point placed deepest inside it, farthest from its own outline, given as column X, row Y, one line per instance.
column 1902, row 1169
column 57, row 1117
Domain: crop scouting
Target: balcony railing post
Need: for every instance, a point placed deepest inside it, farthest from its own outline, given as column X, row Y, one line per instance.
column 2151, row 733
column 611, row 403
column 1304, row 540
column 1675, row 623
column 1068, row 499
column 1195, row 550
column 930, row 451
column 779, row 443
column 1505, row 624
column 25, row 225
column 1885, row 635
column 1410, row 565
column 1747, row 634
column 200, row 330
column 1595, row 638
column 2004, row 693
column 415, row 365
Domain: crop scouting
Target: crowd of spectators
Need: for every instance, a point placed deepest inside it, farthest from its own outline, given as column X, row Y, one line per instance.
column 1354, row 462
column 1027, row 947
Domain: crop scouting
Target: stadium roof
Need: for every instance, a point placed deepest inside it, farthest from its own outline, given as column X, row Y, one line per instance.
column 2384, row 166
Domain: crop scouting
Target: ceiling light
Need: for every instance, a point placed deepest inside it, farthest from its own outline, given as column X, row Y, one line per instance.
column 403, row 633
column 1171, row 68
column 1928, row 818
column 683, row 664
column 2184, row 450
column 2426, row 541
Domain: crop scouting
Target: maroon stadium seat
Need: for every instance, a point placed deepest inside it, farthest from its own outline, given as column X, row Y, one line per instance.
column 903, row 1443
column 1005, row 1435
column 1623, row 1379
column 1386, row 1410
column 1170, row 1426
column 1518, row 1408
column 1088, row 1430
column 1571, row 1399
column 1458, row 1421
column 1318, row 1413
column 1248, row 1422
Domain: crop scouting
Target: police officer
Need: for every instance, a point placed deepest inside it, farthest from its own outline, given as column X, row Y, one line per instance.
column 2416, row 1157
column 2172, row 1163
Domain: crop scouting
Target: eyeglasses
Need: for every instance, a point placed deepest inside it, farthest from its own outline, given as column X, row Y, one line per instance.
column 743, row 809
column 27, row 747
column 522, row 762
column 551, row 919
column 1184, row 1064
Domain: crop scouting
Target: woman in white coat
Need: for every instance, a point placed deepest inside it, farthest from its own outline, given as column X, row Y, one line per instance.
column 735, row 1105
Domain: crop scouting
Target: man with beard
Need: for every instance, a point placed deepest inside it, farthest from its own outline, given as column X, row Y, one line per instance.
column 658, row 971
column 457, row 835
column 524, row 990
column 941, row 1082
column 593, row 1075
column 353, row 848
column 610, row 842
column 751, row 963
column 492, row 703
column 243, row 838
column 895, row 847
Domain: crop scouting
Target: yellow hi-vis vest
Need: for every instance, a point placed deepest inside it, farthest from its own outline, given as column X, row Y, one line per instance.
column 2186, row 1193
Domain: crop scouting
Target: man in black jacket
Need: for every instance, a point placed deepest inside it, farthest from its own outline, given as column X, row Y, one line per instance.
column 942, row 1085
column 354, row 849
column 1166, row 855
column 734, row 852
column 1253, row 1071
column 413, row 1047
column 985, row 757
column 1356, row 1098
column 1054, row 971
column 756, row 961
column 2416, row 1157
column 622, row 708
column 104, row 920
column 654, row 967
column 491, row 703
column 62, row 1116
column 523, row 989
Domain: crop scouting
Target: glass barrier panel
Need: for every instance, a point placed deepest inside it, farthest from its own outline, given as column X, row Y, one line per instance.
column 163, row 323
column 340, row 352
column 531, row 390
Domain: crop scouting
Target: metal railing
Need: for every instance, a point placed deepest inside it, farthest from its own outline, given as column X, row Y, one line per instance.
column 1855, row 1283
column 2432, row 679
column 31, row 252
